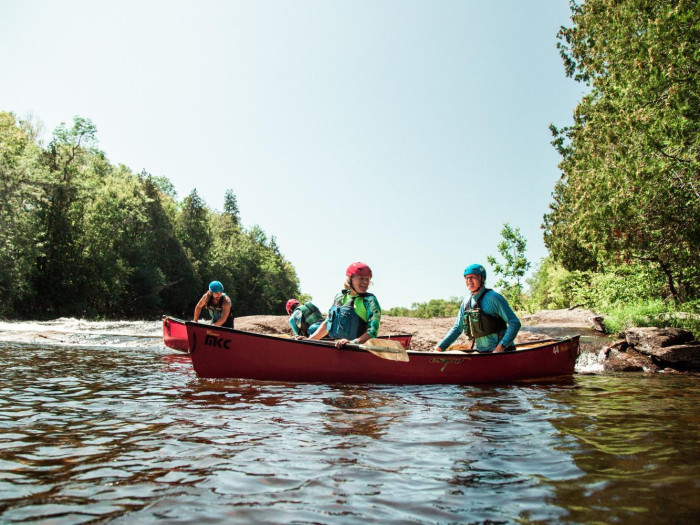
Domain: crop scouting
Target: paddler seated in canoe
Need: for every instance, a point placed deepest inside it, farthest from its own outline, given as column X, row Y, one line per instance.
column 217, row 304
column 304, row 319
column 355, row 314
column 485, row 316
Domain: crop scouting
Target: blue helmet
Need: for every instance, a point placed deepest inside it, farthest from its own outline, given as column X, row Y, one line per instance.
column 475, row 269
column 216, row 287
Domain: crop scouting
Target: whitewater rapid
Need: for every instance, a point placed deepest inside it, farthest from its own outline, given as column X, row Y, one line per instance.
column 69, row 331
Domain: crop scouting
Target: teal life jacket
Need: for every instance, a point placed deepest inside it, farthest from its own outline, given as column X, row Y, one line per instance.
column 348, row 321
column 310, row 314
column 217, row 309
column 477, row 323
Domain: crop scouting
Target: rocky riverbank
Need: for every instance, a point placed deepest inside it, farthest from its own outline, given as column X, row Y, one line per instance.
column 653, row 350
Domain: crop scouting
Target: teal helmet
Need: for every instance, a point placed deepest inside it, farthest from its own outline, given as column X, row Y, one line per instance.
column 475, row 269
column 216, row 287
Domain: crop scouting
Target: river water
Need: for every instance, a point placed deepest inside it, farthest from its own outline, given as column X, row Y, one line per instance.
column 99, row 422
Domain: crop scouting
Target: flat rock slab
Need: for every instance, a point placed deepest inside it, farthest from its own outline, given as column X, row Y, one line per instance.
column 648, row 338
column 686, row 355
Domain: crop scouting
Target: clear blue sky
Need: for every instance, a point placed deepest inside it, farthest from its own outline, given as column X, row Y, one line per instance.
column 400, row 133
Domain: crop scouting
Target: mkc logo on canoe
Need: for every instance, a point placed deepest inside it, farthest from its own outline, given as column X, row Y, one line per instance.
column 212, row 339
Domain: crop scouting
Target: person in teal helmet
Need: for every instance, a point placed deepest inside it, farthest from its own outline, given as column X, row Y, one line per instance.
column 217, row 304
column 485, row 316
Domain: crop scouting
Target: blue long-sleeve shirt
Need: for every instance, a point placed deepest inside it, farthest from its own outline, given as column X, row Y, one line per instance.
column 492, row 303
column 295, row 321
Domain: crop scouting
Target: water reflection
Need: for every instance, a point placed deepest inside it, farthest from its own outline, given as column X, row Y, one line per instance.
column 130, row 433
column 360, row 411
column 634, row 437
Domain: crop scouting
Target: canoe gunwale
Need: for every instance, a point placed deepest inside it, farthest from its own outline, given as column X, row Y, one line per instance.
column 355, row 348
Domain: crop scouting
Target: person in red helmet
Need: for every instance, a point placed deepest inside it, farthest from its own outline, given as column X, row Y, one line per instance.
column 355, row 314
column 304, row 319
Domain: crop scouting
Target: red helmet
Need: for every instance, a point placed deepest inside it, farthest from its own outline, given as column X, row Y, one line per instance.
column 358, row 268
column 291, row 304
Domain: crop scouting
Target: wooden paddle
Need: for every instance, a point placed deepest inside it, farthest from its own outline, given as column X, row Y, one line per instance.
column 384, row 348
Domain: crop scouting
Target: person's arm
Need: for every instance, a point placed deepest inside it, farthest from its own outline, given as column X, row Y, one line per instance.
column 374, row 317
column 324, row 328
column 320, row 332
column 454, row 332
column 200, row 305
column 503, row 309
column 293, row 319
column 225, row 310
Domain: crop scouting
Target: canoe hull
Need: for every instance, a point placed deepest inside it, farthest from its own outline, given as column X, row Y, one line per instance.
column 175, row 334
column 220, row 353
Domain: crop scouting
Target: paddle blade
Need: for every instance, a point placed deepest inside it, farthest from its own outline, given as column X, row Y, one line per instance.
column 386, row 349
column 386, row 343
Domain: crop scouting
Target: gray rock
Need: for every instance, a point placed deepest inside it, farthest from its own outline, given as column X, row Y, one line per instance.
column 628, row 361
column 597, row 323
column 649, row 337
column 620, row 344
column 687, row 355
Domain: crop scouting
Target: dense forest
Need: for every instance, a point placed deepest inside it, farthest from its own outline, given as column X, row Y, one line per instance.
column 629, row 194
column 83, row 237
column 623, row 231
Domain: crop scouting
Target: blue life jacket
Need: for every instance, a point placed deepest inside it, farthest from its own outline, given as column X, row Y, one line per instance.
column 344, row 321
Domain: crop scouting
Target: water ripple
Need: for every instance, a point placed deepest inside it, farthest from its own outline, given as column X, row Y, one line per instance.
column 128, row 433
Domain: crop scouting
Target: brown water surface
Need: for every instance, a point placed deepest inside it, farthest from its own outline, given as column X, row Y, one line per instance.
column 126, row 432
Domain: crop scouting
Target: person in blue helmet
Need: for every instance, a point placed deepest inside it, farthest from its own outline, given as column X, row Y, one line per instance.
column 485, row 316
column 218, row 304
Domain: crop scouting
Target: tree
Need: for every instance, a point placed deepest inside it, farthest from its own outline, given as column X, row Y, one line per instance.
column 630, row 186
column 514, row 266
column 60, row 265
column 175, row 281
column 552, row 287
column 231, row 207
column 21, row 182
column 195, row 232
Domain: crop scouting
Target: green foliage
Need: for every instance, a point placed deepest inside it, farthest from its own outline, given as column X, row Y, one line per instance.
column 194, row 230
column 514, row 266
column 433, row 308
column 657, row 313
column 603, row 291
column 21, row 178
column 552, row 287
column 82, row 237
column 75, row 168
column 231, row 207
column 630, row 191
column 627, row 296
column 261, row 280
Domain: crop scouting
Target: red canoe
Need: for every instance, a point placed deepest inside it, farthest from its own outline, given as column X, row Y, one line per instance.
column 225, row 353
column 175, row 335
